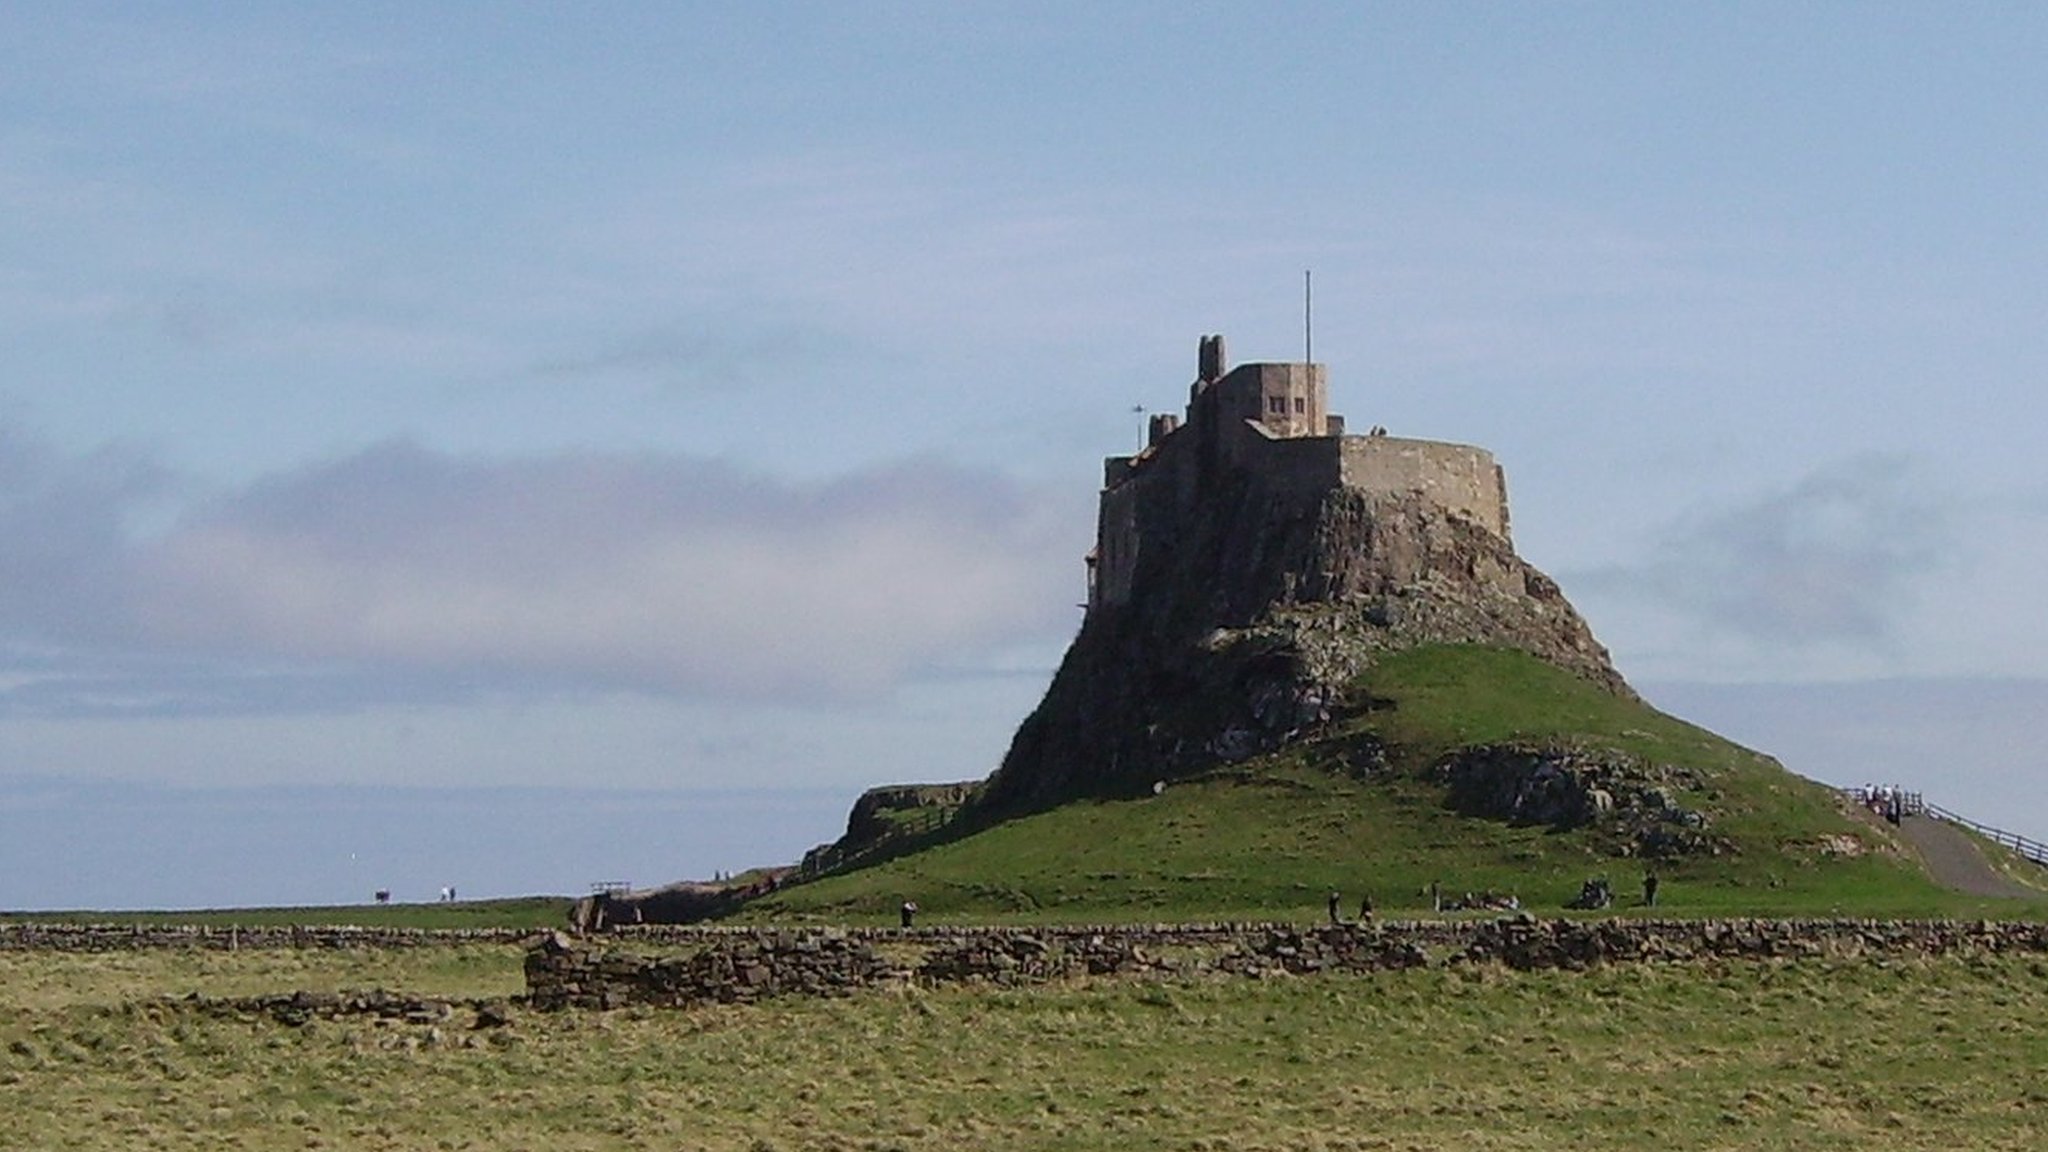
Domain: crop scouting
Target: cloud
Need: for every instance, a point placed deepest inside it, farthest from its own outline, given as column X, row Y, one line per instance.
column 721, row 351
column 1826, row 572
column 63, row 529
column 400, row 570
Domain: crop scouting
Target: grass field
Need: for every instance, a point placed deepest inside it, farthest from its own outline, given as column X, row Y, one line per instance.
column 1950, row 1053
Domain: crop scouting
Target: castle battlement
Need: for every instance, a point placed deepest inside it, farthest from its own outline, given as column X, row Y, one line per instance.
column 1270, row 424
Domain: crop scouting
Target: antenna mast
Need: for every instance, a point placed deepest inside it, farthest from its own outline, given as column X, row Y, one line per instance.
column 1308, row 331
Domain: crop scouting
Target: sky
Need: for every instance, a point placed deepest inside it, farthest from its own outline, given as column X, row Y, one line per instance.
column 519, row 447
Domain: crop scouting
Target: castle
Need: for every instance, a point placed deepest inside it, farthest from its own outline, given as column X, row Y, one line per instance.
column 1269, row 423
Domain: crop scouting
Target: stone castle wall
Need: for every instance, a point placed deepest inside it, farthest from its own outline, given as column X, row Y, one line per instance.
column 1268, row 425
column 1117, row 541
column 1291, row 399
column 1157, row 487
column 1461, row 478
column 1294, row 466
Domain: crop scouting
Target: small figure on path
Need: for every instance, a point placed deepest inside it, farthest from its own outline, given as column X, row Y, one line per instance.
column 1649, row 889
column 909, row 912
column 1365, row 907
column 1335, row 916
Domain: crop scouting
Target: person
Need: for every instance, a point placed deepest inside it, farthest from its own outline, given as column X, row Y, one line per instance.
column 1649, row 889
column 1365, row 907
column 909, row 911
column 1335, row 916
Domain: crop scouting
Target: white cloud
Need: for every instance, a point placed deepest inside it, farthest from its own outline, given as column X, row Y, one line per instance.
column 400, row 570
column 1818, row 580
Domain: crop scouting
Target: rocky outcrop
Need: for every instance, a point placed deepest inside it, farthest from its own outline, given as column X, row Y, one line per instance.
column 1633, row 803
column 1249, row 630
column 297, row 1009
column 869, row 822
column 888, row 818
column 684, row 902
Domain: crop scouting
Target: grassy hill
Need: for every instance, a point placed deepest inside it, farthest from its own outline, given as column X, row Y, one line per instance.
column 1271, row 836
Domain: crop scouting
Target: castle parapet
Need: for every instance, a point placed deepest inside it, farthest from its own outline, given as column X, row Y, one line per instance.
column 1458, row 477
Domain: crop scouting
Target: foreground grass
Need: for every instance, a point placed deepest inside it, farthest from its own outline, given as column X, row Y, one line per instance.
column 1797, row 1056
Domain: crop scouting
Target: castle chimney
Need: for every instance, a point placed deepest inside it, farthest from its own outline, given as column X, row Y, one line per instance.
column 1210, row 364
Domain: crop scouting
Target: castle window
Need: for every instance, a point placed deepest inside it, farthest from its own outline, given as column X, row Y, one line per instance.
column 1277, row 405
column 1300, row 406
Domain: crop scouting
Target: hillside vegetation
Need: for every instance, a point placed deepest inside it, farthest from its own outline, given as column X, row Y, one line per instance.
column 1360, row 809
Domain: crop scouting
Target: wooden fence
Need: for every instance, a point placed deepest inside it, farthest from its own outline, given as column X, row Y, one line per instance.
column 1913, row 804
column 2031, row 849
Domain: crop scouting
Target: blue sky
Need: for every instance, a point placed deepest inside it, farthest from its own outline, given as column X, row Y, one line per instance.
column 698, row 408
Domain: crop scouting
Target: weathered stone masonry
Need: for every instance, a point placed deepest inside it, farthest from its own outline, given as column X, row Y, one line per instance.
column 18, row 936
column 1271, row 421
column 704, row 965
column 748, row 965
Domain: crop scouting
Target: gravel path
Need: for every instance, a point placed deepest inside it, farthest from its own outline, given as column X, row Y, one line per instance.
column 1953, row 859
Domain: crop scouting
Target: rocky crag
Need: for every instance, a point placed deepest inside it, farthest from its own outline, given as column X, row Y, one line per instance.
column 1251, row 562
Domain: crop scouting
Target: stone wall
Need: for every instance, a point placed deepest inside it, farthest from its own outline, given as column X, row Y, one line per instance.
column 730, row 966
column 1289, row 398
column 1454, row 476
column 1298, row 467
column 676, row 966
column 26, row 935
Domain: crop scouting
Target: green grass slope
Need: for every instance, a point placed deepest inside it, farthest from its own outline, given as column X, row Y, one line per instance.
column 1270, row 837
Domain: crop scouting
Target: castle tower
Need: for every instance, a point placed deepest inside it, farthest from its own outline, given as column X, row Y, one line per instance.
column 1268, row 424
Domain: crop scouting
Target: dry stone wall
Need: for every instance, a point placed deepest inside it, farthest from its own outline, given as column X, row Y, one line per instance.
column 678, row 966
column 25, row 935
column 738, row 966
